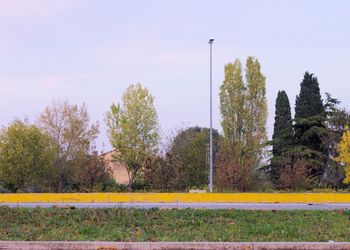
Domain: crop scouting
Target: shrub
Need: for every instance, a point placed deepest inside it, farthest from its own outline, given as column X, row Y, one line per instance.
column 160, row 173
column 294, row 176
column 230, row 174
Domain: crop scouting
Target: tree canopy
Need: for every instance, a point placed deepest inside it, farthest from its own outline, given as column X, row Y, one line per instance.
column 283, row 135
column 133, row 129
column 72, row 133
column 243, row 107
column 344, row 154
column 190, row 148
column 26, row 157
column 310, row 129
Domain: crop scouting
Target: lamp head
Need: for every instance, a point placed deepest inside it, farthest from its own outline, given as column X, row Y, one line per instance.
column 211, row 40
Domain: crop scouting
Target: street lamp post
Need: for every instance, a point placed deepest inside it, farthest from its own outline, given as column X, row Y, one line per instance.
column 211, row 40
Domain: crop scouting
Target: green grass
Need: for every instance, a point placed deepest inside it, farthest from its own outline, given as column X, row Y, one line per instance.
column 114, row 224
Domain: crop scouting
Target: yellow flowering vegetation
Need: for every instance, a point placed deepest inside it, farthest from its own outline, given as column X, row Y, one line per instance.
column 344, row 154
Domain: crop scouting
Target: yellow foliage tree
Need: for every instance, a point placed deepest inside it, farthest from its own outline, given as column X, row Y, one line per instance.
column 344, row 154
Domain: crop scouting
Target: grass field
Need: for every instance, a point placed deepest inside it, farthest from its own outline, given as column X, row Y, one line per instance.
column 113, row 224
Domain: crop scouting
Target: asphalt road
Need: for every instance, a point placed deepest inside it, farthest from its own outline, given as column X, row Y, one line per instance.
column 243, row 206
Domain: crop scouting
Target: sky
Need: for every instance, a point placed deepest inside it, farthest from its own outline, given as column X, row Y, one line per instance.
column 89, row 51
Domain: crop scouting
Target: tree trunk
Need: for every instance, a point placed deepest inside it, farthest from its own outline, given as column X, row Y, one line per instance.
column 131, row 181
column 60, row 184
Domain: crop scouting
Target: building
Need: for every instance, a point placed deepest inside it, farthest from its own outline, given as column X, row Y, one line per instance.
column 119, row 172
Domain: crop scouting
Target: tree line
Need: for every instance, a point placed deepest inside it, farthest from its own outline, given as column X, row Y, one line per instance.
column 308, row 151
column 56, row 154
column 311, row 150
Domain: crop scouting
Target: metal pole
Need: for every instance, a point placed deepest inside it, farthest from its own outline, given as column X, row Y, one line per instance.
column 211, row 40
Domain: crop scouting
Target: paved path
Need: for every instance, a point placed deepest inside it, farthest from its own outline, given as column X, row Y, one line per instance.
column 244, row 206
column 25, row 245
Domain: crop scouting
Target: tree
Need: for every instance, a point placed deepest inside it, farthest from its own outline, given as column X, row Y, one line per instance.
column 72, row 133
column 282, row 139
column 309, row 102
column 190, row 150
column 26, row 157
column 232, row 97
column 243, row 109
column 230, row 174
column 310, row 127
column 133, row 129
column 160, row 172
column 92, row 173
column 344, row 155
column 337, row 120
column 293, row 174
column 255, row 110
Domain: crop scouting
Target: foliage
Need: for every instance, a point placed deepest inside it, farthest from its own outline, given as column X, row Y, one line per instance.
column 160, row 172
column 309, row 102
column 133, row 129
column 26, row 157
column 243, row 108
column 344, row 154
column 72, row 134
column 230, row 174
column 310, row 129
column 185, row 164
column 4, row 190
column 337, row 121
column 190, row 153
column 92, row 173
column 294, row 175
column 232, row 98
column 255, row 109
column 186, row 225
column 282, row 139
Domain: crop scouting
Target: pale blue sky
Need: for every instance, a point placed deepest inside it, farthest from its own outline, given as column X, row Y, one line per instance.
column 90, row 51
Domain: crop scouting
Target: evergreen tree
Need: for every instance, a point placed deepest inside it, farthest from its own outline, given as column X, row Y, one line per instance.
column 337, row 120
column 310, row 127
column 282, row 139
column 309, row 102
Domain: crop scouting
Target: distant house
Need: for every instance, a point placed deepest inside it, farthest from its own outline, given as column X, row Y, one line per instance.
column 119, row 172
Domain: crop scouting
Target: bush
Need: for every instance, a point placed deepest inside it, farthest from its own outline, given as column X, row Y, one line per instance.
column 189, row 155
column 3, row 189
column 91, row 173
column 112, row 186
column 294, row 176
column 163, row 173
column 26, row 158
column 230, row 174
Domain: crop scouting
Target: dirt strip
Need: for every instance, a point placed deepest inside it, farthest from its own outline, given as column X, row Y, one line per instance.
column 172, row 245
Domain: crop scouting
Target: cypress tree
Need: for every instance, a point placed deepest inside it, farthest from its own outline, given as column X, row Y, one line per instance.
column 310, row 126
column 282, row 139
column 309, row 102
